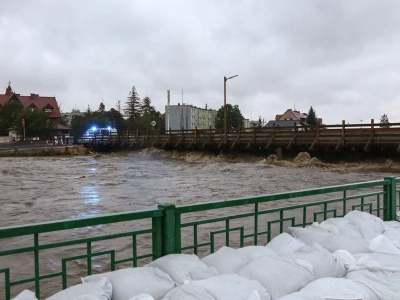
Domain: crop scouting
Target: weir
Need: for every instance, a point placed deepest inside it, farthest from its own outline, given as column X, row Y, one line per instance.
column 93, row 242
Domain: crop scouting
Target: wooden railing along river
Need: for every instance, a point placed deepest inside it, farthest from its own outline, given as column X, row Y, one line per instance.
column 337, row 137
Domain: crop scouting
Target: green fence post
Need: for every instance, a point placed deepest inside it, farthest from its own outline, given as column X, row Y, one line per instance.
column 389, row 200
column 168, row 229
column 157, row 241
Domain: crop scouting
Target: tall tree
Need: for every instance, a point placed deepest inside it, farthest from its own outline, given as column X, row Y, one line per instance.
column 234, row 117
column 116, row 120
column 8, row 115
column 146, row 107
column 79, row 125
column 118, row 106
column 311, row 117
column 37, row 123
column 384, row 121
column 102, row 107
column 132, row 105
column 259, row 124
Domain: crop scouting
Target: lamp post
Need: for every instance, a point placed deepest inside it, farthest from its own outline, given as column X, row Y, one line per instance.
column 225, row 80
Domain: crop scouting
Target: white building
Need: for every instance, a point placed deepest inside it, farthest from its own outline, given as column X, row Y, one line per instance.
column 188, row 117
column 70, row 115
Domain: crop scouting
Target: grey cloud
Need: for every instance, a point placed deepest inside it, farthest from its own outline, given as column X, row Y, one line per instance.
column 338, row 56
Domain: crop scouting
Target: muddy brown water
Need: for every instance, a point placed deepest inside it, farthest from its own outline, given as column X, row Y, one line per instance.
column 54, row 188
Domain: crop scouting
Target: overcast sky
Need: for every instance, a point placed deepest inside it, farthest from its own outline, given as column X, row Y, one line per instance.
column 341, row 57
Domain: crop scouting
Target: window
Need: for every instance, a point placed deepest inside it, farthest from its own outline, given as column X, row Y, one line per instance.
column 47, row 109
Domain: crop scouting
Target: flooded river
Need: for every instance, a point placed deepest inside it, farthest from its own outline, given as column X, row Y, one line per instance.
column 53, row 188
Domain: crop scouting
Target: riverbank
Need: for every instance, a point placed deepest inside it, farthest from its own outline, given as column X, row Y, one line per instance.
column 45, row 151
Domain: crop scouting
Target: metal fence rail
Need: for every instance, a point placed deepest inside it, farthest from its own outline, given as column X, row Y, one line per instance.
column 36, row 230
column 197, row 228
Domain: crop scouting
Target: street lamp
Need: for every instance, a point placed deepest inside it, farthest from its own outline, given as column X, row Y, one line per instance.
column 225, row 80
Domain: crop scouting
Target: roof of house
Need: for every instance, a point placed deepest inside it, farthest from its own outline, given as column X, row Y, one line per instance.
column 4, row 99
column 296, row 115
column 282, row 123
column 33, row 100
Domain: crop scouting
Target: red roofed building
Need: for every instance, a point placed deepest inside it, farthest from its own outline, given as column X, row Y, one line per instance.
column 34, row 101
column 292, row 115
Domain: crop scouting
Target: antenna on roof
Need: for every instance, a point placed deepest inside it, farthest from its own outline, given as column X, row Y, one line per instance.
column 182, row 96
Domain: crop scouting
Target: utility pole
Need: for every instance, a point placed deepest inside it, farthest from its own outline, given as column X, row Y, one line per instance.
column 225, row 80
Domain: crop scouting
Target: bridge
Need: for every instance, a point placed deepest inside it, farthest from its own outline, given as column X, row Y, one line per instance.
column 354, row 137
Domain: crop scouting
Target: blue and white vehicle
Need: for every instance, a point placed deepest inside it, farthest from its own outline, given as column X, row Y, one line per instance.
column 95, row 134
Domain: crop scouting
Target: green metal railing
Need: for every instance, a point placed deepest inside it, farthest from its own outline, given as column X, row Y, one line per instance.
column 194, row 228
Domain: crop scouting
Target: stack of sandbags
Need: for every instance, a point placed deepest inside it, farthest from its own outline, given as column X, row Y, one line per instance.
column 355, row 257
column 356, row 232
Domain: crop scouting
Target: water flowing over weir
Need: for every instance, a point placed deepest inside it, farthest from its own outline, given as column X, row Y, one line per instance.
column 44, row 189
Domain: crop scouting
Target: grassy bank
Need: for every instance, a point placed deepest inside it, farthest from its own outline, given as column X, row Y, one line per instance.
column 58, row 151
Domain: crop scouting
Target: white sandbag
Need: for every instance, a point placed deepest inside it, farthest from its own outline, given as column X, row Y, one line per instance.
column 337, row 288
column 382, row 244
column 369, row 225
column 226, row 260
column 330, row 241
column 368, row 261
column 386, row 261
column 285, row 243
column 393, row 234
column 25, row 295
column 323, row 262
column 280, row 276
column 183, row 267
column 343, row 226
column 232, row 287
column 188, row 292
column 142, row 297
column 101, row 289
column 130, row 282
column 252, row 252
column 391, row 224
column 376, row 262
column 327, row 227
column 386, row 285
